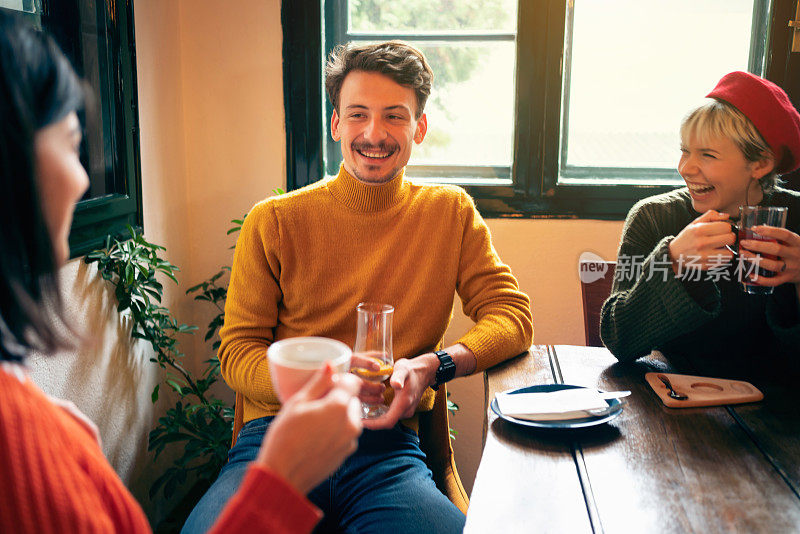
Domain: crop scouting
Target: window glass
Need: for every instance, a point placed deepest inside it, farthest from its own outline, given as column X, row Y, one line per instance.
column 471, row 107
column 432, row 15
column 636, row 67
column 80, row 28
column 26, row 6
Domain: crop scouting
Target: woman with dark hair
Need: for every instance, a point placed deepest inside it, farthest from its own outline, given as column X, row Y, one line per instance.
column 53, row 472
column 44, row 93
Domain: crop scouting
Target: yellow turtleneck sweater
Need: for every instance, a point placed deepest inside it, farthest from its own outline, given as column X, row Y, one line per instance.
column 305, row 259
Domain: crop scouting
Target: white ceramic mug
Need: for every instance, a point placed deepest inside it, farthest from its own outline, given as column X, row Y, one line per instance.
column 294, row 360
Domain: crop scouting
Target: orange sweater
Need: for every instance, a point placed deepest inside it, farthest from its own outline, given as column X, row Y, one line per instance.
column 305, row 259
column 55, row 479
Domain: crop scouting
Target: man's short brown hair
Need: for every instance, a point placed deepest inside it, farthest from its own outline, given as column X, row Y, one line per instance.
column 399, row 61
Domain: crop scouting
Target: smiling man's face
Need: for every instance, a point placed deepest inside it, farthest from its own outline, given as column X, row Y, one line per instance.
column 376, row 125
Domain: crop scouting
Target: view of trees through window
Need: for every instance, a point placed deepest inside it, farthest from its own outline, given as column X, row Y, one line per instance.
column 417, row 16
column 631, row 70
column 637, row 67
column 470, row 45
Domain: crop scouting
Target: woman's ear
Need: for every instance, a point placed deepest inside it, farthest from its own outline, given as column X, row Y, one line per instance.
column 762, row 167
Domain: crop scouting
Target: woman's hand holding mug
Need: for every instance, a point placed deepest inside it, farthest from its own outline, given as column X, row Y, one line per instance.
column 315, row 431
column 703, row 243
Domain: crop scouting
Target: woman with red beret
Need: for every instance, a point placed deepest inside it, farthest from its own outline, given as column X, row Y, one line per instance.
column 733, row 150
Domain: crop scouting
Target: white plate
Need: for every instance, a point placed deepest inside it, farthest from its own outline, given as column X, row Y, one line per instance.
column 614, row 406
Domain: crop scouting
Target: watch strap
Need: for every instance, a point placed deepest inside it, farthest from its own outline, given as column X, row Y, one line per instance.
column 446, row 370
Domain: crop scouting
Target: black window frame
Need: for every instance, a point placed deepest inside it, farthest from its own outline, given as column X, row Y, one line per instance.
column 534, row 190
column 110, row 214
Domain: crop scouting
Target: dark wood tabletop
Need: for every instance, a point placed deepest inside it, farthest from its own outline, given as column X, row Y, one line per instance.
column 652, row 469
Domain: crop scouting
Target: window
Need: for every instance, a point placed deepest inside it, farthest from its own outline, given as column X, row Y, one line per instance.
column 24, row 6
column 471, row 47
column 556, row 108
column 615, row 123
column 98, row 39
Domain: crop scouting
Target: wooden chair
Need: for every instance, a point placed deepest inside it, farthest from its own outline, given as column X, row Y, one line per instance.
column 594, row 294
column 435, row 442
column 434, row 437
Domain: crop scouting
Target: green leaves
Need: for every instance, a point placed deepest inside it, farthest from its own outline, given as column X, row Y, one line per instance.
column 175, row 386
column 201, row 423
column 204, row 432
column 237, row 224
column 211, row 291
column 453, row 408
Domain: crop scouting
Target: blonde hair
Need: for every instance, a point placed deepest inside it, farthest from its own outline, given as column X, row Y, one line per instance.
column 720, row 119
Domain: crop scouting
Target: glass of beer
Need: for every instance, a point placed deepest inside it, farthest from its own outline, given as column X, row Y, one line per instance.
column 372, row 352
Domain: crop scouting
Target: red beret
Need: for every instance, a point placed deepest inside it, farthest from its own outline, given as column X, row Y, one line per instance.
column 769, row 109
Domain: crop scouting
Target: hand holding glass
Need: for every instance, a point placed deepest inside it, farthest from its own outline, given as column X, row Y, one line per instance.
column 372, row 353
column 754, row 216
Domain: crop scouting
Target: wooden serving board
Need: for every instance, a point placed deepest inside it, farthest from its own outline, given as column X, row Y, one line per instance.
column 703, row 391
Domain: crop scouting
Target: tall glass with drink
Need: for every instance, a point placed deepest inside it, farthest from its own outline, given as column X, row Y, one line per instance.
column 751, row 216
column 372, row 352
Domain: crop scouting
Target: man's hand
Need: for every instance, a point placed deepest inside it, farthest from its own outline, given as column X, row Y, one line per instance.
column 410, row 379
column 370, row 392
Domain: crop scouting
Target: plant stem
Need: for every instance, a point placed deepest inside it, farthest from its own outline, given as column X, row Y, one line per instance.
column 163, row 357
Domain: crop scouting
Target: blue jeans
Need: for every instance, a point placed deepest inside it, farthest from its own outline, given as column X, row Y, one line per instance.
column 384, row 486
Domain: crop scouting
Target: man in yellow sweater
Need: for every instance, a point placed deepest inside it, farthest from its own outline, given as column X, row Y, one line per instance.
column 305, row 259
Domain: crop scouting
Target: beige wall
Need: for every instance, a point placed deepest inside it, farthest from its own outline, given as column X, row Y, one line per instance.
column 233, row 126
column 213, row 144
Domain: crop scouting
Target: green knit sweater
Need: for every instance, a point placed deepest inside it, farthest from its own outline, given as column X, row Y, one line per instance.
column 713, row 323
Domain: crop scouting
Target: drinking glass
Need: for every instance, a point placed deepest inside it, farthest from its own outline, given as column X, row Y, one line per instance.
column 372, row 352
column 293, row 361
column 754, row 216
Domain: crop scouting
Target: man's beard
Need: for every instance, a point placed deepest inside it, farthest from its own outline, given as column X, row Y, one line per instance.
column 388, row 148
column 381, row 180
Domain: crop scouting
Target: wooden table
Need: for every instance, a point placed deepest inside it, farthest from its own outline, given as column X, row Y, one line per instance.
column 652, row 469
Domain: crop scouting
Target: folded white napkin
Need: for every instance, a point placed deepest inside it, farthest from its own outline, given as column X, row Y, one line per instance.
column 554, row 405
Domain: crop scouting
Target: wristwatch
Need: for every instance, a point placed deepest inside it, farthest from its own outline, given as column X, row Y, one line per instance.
column 446, row 370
